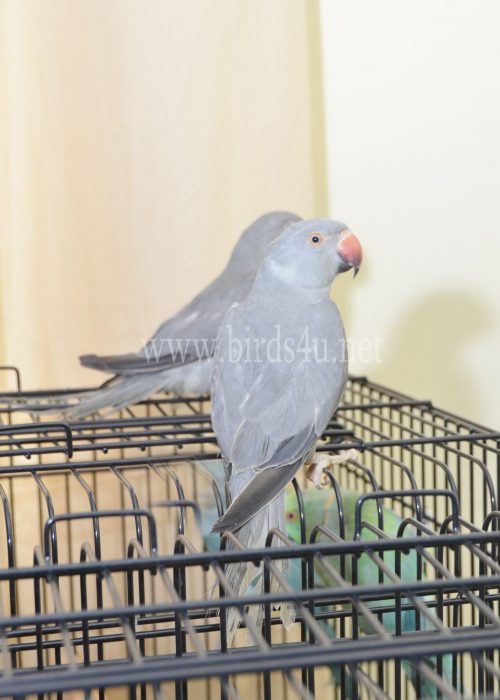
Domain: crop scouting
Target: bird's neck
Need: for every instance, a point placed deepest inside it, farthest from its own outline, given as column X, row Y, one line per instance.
column 275, row 279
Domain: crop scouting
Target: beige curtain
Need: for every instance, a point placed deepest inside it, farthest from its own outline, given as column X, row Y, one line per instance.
column 137, row 139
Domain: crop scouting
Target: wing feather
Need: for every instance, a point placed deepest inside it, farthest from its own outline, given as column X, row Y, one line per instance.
column 267, row 415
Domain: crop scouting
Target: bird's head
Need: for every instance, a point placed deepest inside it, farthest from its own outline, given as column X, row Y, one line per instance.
column 312, row 252
column 253, row 244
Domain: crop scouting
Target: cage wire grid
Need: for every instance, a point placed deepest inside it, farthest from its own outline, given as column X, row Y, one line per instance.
column 107, row 590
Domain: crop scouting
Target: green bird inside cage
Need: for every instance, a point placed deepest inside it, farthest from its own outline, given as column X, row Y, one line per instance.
column 321, row 508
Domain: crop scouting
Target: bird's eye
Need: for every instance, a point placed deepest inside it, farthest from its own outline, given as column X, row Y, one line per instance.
column 290, row 515
column 316, row 239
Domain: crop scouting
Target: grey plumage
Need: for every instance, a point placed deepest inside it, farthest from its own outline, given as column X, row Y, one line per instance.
column 271, row 402
column 178, row 357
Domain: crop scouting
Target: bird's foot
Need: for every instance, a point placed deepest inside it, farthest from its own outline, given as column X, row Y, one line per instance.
column 315, row 472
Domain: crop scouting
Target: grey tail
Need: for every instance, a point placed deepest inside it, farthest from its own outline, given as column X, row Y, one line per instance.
column 260, row 491
column 245, row 578
column 119, row 394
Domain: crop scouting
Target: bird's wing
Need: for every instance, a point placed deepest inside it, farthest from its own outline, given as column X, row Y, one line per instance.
column 263, row 488
column 268, row 416
column 187, row 337
column 160, row 357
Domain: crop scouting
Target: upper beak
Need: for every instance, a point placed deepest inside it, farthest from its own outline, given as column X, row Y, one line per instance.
column 349, row 249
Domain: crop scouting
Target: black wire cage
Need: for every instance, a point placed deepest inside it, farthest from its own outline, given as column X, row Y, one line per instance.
column 111, row 586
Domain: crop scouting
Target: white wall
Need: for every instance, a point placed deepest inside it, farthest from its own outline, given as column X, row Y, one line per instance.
column 412, row 114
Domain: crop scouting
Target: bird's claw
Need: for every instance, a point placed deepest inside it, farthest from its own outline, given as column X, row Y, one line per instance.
column 315, row 472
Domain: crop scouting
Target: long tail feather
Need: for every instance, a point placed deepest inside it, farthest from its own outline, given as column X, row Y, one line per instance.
column 244, row 578
column 123, row 392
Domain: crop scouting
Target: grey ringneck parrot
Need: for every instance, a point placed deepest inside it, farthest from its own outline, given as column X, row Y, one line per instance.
column 279, row 374
column 178, row 357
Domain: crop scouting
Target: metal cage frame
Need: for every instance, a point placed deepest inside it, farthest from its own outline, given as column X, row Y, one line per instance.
column 87, row 608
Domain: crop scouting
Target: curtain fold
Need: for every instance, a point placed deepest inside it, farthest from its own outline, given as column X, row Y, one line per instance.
column 136, row 141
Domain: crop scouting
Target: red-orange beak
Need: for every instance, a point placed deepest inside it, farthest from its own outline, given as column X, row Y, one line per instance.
column 349, row 249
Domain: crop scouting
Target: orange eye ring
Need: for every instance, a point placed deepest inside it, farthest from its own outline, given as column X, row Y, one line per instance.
column 290, row 515
column 316, row 239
